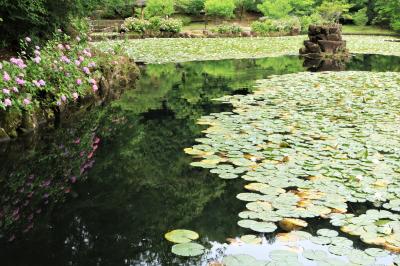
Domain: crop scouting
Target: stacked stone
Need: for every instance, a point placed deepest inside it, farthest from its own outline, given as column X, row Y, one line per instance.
column 324, row 40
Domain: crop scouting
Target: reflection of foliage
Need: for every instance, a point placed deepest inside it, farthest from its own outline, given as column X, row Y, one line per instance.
column 26, row 191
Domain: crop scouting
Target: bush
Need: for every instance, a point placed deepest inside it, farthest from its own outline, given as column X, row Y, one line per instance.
column 263, row 27
column 278, row 25
column 60, row 72
column 154, row 24
column 228, row 29
column 135, row 25
column 171, row 25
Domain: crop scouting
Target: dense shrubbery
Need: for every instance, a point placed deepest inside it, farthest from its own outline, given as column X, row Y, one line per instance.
column 154, row 25
column 60, row 72
column 282, row 26
column 228, row 29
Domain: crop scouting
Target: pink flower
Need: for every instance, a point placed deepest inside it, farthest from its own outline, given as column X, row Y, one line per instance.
column 36, row 83
column 79, row 81
column 6, row 76
column 95, row 88
column 67, row 47
column 7, row 102
column 42, row 82
column 92, row 64
column 77, row 62
column 92, row 81
column 75, row 95
column 27, row 39
column 37, row 47
column 58, row 103
column 60, row 46
column 81, row 58
column 63, row 98
column 20, row 81
column 18, row 62
column 15, row 89
column 37, row 59
column 65, row 59
column 27, row 101
column 36, row 52
column 6, row 91
column 86, row 70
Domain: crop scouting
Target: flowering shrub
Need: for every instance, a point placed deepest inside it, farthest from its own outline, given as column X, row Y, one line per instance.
column 60, row 72
column 135, row 25
column 276, row 25
column 155, row 24
column 171, row 25
column 228, row 29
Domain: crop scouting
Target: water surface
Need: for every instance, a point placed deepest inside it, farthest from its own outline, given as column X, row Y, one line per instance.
column 104, row 188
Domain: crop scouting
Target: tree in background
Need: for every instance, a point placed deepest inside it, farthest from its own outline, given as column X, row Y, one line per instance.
column 190, row 7
column 360, row 18
column 302, row 7
column 275, row 9
column 218, row 8
column 332, row 10
column 244, row 5
column 388, row 13
column 159, row 8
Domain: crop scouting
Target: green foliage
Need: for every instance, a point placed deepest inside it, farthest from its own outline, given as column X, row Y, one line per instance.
column 275, row 9
column 154, row 24
column 159, row 8
column 276, row 25
column 388, row 13
column 171, row 25
column 191, row 7
column 302, row 7
column 313, row 19
column 136, row 25
column 360, row 17
column 228, row 29
column 218, row 8
column 332, row 10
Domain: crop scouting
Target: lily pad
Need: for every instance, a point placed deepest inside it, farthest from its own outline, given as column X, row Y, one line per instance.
column 188, row 249
column 181, row 236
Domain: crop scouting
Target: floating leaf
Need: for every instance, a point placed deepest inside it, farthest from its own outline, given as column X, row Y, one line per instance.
column 181, row 236
column 187, row 249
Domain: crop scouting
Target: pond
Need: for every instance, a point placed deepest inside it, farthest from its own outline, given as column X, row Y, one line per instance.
column 104, row 188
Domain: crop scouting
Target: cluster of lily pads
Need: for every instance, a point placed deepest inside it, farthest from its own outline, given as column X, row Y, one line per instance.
column 310, row 144
column 199, row 49
column 183, row 243
column 301, row 248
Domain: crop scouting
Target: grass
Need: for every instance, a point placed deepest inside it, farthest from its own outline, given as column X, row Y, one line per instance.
column 371, row 30
column 200, row 49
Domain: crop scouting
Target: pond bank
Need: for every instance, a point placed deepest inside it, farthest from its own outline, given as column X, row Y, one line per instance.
column 117, row 74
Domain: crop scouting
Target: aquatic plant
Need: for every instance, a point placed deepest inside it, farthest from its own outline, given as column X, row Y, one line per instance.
column 310, row 144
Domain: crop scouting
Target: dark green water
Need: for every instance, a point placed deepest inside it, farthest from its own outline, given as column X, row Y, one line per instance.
column 103, row 189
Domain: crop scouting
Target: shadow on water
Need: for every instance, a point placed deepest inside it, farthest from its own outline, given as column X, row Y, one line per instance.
column 103, row 189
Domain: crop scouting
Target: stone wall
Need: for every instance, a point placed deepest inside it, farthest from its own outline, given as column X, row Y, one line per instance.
column 324, row 41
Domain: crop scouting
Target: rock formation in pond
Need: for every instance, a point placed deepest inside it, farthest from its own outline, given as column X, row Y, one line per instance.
column 324, row 41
